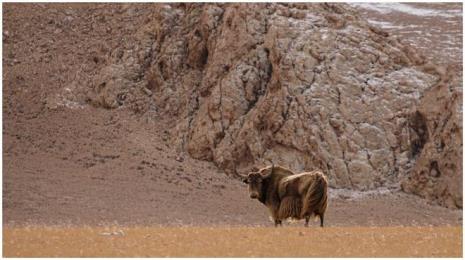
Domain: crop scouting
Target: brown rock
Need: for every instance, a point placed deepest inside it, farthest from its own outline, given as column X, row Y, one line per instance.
column 437, row 173
column 307, row 86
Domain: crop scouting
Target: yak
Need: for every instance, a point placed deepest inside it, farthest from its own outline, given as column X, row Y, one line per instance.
column 289, row 195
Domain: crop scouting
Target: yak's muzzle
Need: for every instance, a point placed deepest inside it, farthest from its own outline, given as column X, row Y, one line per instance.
column 253, row 195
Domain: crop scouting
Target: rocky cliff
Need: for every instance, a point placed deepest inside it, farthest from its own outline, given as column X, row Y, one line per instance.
column 302, row 85
column 436, row 130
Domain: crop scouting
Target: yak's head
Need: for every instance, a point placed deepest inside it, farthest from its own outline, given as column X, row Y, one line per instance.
column 255, row 181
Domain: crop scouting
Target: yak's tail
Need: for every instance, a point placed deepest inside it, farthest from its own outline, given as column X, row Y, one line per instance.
column 316, row 199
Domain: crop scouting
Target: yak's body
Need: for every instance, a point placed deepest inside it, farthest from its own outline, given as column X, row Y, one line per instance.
column 289, row 195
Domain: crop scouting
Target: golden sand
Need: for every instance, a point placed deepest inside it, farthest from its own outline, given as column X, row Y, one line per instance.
column 232, row 242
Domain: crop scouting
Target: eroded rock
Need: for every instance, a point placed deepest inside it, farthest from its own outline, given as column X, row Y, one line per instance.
column 436, row 124
column 302, row 85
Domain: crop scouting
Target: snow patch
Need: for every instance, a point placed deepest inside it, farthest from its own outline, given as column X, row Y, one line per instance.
column 386, row 8
column 357, row 195
column 388, row 25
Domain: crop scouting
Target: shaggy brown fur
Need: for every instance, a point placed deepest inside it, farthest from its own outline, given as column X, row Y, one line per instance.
column 290, row 207
column 289, row 195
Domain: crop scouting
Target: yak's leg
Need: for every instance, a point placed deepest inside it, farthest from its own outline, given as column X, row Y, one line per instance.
column 322, row 218
column 307, row 218
column 275, row 216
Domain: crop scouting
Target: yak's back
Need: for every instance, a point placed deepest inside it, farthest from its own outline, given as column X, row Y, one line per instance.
column 297, row 184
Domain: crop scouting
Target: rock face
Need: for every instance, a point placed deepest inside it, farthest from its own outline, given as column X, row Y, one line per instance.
column 436, row 127
column 302, row 85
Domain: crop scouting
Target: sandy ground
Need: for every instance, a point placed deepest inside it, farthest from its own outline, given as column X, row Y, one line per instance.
column 82, row 166
column 234, row 242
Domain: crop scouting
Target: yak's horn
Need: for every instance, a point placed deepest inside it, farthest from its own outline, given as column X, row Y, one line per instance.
column 270, row 172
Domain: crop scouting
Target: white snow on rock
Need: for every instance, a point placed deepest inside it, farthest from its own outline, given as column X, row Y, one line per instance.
column 386, row 8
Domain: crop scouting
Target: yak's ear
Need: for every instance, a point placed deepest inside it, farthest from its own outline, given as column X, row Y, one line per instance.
column 245, row 180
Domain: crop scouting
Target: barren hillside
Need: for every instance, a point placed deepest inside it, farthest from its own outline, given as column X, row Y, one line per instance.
column 147, row 113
